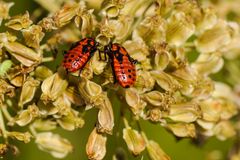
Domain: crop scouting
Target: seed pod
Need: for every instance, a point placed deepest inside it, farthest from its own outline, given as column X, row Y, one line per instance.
column 162, row 57
column 208, row 63
column 96, row 146
column 50, row 87
column 70, row 120
column 84, row 20
column 152, row 30
column 19, row 22
column 90, row 91
column 224, row 130
column 145, row 82
column 154, row 115
column 121, row 27
column 28, row 91
column 133, row 100
column 25, row 137
column 137, row 49
column 154, row 98
column 26, row 116
column 105, row 116
column 183, row 129
column 25, row 55
column 42, row 72
column 112, row 8
column 165, row 81
column 6, row 89
column 213, row 39
column 57, row 146
column 179, row 29
column 186, row 112
column 65, row 15
column 3, row 149
column 96, row 65
column 211, row 110
column 47, row 24
column 134, row 141
column 4, row 10
column 44, row 125
column 33, row 36
column 207, row 21
column 155, row 151
column 74, row 96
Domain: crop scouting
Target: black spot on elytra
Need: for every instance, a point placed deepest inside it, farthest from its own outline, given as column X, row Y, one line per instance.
column 129, row 76
column 129, row 70
column 70, row 60
column 119, row 57
column 72, row 55
column 84, row 49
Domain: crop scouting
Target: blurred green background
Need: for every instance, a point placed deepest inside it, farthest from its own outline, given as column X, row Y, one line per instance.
column 182, row 149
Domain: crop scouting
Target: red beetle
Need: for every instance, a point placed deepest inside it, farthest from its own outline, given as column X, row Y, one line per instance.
column 123, row 65
column 79, row 54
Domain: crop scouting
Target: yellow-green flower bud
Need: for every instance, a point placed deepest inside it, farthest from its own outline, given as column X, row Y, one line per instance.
column 42, row 72
column 4, row 67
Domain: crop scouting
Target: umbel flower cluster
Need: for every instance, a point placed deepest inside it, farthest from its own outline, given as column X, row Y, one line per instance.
column 178, row 44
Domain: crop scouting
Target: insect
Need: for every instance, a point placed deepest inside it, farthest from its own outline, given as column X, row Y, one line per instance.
column 123, row 65
column 79, row 54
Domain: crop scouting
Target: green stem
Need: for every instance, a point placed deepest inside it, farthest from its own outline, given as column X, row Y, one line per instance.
column 2, row 125
column 33, row 131
column 47, row 59
column 6, row 113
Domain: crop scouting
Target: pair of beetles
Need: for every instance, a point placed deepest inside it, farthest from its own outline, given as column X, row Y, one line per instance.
column 123, row 65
